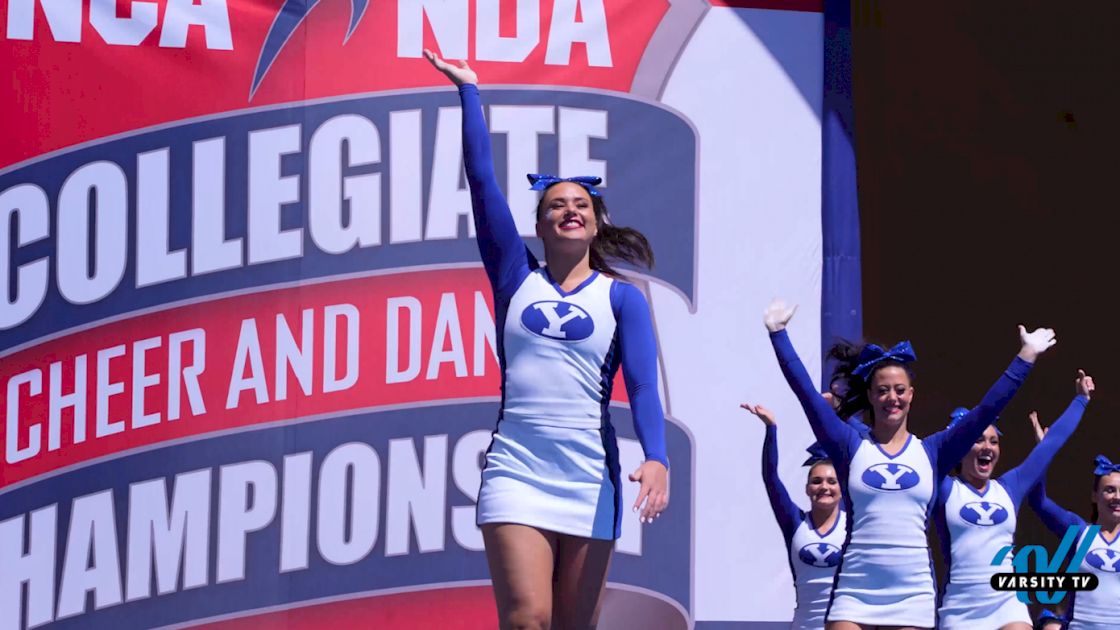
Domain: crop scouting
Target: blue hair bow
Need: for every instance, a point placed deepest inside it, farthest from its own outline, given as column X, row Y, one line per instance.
column 816, row 453
column 959, row 413
column 872, row 355
column 1104, row 466
column 541, row 182
column 1047, row 616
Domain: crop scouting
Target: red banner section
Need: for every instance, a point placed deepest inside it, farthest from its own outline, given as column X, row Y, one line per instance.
column 79, row 71
column 378, row 341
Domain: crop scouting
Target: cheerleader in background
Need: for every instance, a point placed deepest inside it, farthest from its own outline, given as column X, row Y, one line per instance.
column 1098, row 609
column 976, row 516
column 814, row 538
column 888, row 477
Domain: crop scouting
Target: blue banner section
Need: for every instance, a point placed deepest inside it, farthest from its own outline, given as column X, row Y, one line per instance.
column 289, row 513
column 297, row 193
column 841, row 286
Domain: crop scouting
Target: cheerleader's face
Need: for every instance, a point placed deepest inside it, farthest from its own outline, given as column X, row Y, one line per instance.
column 980, row 462
column 566, row 218
column 823, row 487
column 890, row 395
column 1107, row 497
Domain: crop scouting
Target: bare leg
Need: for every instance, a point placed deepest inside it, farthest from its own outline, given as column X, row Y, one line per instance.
column 581, row 572
column 521, row 560
column 849, row 625
column 1017, row 625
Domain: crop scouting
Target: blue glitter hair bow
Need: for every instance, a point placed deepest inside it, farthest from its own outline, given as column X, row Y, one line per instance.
column 872, row 355
column 1104, row 466
column 1047, row 616
column 816, row 453
column 959, row 413
column 541, row 182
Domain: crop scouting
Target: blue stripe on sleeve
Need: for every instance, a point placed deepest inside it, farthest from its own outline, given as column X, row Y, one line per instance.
column 785, row 510
column 638, row 349
column 837, row 437
column 1033, row 469
column 504, row 255
column 948, row 446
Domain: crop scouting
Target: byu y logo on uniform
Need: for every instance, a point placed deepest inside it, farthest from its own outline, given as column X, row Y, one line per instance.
column 553, row 319
column 1104, row 559
column 820, row 555
column 984, row 513
column 890, row 477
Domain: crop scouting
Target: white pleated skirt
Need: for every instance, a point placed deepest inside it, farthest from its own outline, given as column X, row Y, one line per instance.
column 888, row 586
column 559, row 479
column 968, row 606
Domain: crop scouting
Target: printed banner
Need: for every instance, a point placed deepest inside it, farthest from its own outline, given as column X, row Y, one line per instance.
column 246, row 345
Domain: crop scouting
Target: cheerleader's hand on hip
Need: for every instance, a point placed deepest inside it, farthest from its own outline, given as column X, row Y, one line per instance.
column 1035, row 342
column 654, row 490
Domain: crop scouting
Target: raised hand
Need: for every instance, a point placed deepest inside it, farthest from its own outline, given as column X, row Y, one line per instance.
column 763, row 413
column 777, row 315
column 1035, row 342
column 459, row 74
column 1085, row 386
column 1039, row 430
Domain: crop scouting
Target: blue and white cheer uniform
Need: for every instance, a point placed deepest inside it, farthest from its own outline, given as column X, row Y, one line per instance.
column 1098, row 609
column 553, row 462
column 886, row 573
column 813, row 554
column 974, row 525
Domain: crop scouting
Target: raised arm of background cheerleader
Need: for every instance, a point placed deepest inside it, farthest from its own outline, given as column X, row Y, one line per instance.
column 503, row 252
column 638, row 355
column 1026, row 475
column 951, row 444
column 837, row 437
column 785, row 510
column 1056, row 518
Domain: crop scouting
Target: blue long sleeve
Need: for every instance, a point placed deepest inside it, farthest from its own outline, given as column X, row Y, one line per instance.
column 839, row 439
column 947, row 447
column 1056, row 518
column 638, row 351
column 1026, row 475
column 785, row 510
column 504, row 255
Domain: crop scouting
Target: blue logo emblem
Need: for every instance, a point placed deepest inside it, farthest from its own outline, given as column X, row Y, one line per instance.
column 552, row 319
column 984, row 513
column 284, row 26
column 890, row 477
column 1104, row 560
column 821, row 555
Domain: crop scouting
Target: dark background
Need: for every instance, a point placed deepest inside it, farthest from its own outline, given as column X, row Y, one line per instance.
column 986, row 139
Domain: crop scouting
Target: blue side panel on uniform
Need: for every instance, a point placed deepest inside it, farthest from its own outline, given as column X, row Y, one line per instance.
column 1099, row 608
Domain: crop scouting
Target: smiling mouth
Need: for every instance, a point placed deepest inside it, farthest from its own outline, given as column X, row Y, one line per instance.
column 984, row 463
column 569, row 224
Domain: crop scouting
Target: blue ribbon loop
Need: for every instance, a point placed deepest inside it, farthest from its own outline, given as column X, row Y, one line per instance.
column 541, row 182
